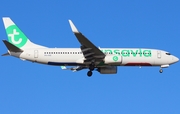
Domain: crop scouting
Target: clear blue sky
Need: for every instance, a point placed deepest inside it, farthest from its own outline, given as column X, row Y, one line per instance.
column 30, row 88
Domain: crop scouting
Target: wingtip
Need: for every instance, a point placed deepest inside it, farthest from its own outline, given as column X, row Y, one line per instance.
column 73, row 27
column 6, row 54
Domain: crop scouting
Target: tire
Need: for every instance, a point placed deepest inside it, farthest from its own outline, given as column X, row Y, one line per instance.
column 89, row 73
column 161, row 71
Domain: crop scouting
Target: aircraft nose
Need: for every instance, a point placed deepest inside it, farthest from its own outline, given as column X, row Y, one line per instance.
column 175, row 59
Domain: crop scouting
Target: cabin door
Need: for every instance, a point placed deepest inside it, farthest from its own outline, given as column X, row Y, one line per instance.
column 159, row 54
column 35, row 53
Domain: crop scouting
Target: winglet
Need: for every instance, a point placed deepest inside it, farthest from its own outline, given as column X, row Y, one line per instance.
column 73, row 27
column 63, row 68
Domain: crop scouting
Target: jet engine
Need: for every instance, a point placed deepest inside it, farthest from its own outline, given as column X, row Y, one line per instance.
column 113, row 60
column 108, row 70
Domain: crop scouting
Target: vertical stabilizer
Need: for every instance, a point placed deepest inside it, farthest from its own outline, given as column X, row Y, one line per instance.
column 16, row 36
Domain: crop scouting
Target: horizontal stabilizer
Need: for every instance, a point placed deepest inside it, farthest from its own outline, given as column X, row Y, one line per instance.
column 12, row 47
column 6, row 54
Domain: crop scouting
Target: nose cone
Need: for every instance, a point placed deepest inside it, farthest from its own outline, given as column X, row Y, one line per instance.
column 175, row 59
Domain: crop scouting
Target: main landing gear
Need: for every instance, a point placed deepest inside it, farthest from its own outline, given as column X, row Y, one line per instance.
column 89, row 73
column 91, row 68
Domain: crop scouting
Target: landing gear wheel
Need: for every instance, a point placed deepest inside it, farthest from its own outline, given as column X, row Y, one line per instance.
column 161, row 70
column 89, row 73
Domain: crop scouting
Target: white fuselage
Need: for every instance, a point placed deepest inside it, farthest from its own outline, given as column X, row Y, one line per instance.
column 88, row 56
column 74, row 56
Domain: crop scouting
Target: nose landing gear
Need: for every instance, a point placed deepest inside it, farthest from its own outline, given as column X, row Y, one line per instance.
column 163, row 66
column 161, row 70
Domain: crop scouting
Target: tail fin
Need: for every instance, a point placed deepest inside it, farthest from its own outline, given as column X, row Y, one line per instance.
column 16, row 36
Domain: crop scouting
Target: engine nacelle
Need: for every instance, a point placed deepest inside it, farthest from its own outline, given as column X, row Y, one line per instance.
column 113, row 59
column 108, row 70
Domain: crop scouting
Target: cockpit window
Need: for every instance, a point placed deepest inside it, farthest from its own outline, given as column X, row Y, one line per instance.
column 168, row 54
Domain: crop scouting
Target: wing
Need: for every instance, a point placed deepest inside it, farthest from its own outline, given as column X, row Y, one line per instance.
column 89, row 50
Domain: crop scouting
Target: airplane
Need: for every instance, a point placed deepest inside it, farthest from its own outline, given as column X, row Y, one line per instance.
column 87, row 56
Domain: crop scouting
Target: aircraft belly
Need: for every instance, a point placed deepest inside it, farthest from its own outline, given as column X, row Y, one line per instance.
column 63, row 60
